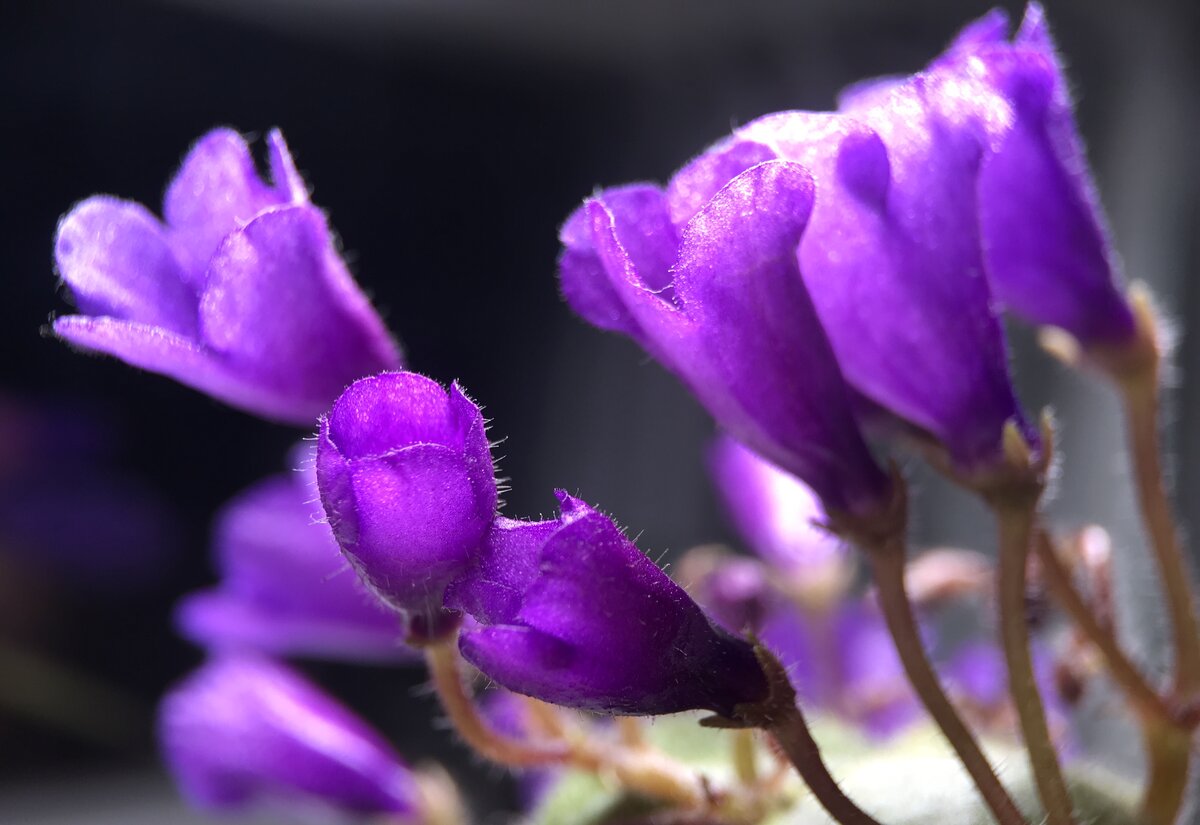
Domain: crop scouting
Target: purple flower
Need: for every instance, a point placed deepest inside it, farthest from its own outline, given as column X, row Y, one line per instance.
column 239, row 292
column 244, row 730
column 285, row 587
column 978, row 678
column 777, row 514
column 1045, row 242
column 406, row 478
column 892, row 259
column 588, row 621
column 717, row 298
column 843, row 661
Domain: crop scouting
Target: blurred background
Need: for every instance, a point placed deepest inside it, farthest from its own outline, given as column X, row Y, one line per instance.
column 448, row 139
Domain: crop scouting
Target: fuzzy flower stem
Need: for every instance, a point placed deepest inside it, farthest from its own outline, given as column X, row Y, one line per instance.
column 883, row 542
column 790, row 731
column 887, row 567
column 1148, row 704
column 1168, row 751
column 646, row 772
column 1140, row 395
column 1014, row 519
column 445, row 671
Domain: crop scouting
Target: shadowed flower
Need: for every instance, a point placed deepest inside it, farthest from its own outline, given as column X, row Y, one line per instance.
column 588, row 621
column 717, row 298
column 245, row 731
column 285, row 587
column 406, row 478
column 239, row 292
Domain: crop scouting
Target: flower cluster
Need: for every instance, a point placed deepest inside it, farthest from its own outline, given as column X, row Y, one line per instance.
column 829, row 287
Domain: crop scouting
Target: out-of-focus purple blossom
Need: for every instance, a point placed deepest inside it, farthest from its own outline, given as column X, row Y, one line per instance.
column 243, row 731
column 738, row 594
column 777, row 514
column 1045, row 242
column 406, row 478
column 844, row 662
column 239, row 292
column 68, row 510
column 599, row 626
column 976, row 675
column 509, row 714
column 716, row 297
column 892, row 259
column 285, row 587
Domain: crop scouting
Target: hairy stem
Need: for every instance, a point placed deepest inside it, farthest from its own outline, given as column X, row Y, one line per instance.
column 1141, row 399
column 1014, row 519
column 887, row 565
column 1145, row 699
column 1168, row 751
column 790, row 731
column 445, row 671
column 641, row 770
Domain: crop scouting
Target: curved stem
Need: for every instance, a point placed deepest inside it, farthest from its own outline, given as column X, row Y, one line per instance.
column 1014, row 519
column 442, row 657
column 641, row 770
column 790, row 731
column 1145, row 699
column 1141, row 399
column 887, row 565
column 1168, row 750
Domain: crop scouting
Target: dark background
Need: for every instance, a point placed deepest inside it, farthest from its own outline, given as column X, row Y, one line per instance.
column 448, row 140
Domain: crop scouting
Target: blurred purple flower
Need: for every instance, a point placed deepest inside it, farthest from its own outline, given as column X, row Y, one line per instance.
column 285, row 588
column 717, row 298
column 779, row 517
column 597, row 625
column 406, row 478
column 243, row 731
column 239, row 293
column 57, row 458
column 509, row 714
column 977, row 677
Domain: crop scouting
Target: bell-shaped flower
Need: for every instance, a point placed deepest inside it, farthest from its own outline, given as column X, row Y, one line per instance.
column 245, row 731
column 891, row 257
column 778, row 515
column 718, row 300
column 1045, row 241
column 285, row 587
column 238, row 292
column 405, row 475
column 586, row 620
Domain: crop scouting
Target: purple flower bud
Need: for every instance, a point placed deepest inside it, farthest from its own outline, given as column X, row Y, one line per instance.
column 406, row 478
column 285, row 587
column 244, row 731
column 240, row 293
column 718, row 300
column 778, row 515
column 596, row 625
column 1045, row 241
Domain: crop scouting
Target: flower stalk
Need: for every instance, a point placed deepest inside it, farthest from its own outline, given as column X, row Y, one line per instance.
column 1014, row 520
column 782, row 719
column 885, row 547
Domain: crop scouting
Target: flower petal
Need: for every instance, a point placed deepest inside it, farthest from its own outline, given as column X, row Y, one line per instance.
column 216, row 191
column 116, row 258
column 275, row 303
